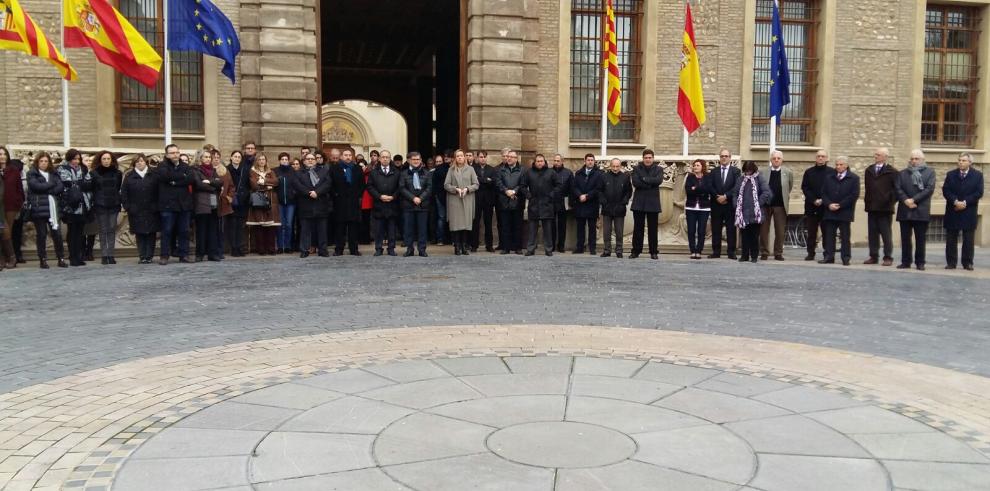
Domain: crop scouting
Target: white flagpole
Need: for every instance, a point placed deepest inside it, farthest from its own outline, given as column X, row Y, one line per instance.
column 168, row 79
column 604, row 111
column 65, row 87
column 773, row 133
column 684, row 143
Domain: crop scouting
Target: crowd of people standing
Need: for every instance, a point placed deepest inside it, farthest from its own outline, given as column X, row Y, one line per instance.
column 306, row 204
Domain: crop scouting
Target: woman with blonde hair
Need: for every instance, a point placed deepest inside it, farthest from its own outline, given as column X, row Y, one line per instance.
column 206, row 207
column 225, row 201
column 461, row 184
column 263, row 216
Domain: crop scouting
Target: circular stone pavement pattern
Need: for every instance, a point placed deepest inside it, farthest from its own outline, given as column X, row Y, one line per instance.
column 548, row 423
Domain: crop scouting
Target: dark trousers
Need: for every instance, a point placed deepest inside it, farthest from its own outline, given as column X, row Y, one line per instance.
column 697, row 223
column 107, row 221
column 560, row 230
column 484, row 215
column 308, row 227
column 613, row 226
column 587, row 226
column 812, row 224
column 440, row 204
column 385, row 230
column 750, row 241
column 17, row 236
column 233, row 229
column 146, row 245
column 366, row 226
column 510, row 223
column 918, row 229
column 878, row 226
column 415, row 225
column 265, row 241
column 175, row 224
column 828, row 239
column 723, row 216
column 76, row 239
column 648, row 221
column 951, row 242
column 347, row 232
column 288, row 215
column 547, row 225
column 208, row 235
column 43, row 227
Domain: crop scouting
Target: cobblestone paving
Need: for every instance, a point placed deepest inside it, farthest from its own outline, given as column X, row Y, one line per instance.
column 548, row 423
column 61, row 322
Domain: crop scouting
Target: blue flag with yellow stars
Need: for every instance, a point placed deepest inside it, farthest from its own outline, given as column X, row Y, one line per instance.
column 198, row 25
column 780, row 78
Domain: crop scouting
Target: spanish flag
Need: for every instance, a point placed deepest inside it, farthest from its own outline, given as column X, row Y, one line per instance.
column 690, row 98
column 19, row 33
column 96, row 24
column 612, row 66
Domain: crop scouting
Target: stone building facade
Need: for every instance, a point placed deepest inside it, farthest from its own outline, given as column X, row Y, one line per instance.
column 867, row 70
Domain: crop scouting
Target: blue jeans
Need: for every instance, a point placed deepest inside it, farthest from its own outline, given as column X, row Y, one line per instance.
column 441, row 202
column 697, row 222
column 414, row 225
column 175, row 224
column 288, row 214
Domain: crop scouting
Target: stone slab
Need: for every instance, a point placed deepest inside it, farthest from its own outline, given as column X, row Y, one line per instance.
column 182, row 474
column 796, row 435
column 642, row 391
column 635, row 476
column 425, row 393
column 741, row 385
column 286, row 455
column 790, row 472
column 674, row 374
column 506, row 411
column 484, row 472
column 290, row 396
column 348, row 415
column 518, row 384
column 802, row 399
column 931, row 476
column 422, row 437
column 607, row 366
column 196, row 442
column 718, row 407
column 236, row 416
column 408, row 371
column 709, row 451
column 347, row 381
column 934, row 447
column 628, row 417
column 869, row 419
column 363, row 480
column 476, row 365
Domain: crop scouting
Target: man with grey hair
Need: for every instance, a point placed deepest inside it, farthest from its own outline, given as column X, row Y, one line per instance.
column 879, row 199
column 962, row 190
column 779, row 180
column 839, row 195
column 811, row 187
column 914, row 187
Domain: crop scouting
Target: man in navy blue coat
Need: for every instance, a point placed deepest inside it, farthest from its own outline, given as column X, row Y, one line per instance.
column 585, row 188
column 838, row 198
column 962, row 190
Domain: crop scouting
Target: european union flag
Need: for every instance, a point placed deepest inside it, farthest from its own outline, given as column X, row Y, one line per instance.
column 780, row 78
column 198, row 25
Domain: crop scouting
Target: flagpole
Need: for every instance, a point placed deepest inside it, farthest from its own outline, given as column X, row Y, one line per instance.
column 168, row 79
column 604, row 111
column 684, row 143
column 773, row 133
column 65, row 85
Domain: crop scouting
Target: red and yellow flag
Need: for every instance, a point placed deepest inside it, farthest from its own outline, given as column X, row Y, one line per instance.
column 96, row 24
column 690, row 98
column 612, row 66
column 19, row 33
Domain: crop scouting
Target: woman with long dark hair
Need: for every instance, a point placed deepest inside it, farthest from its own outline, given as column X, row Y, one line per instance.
column 751, row 197
column 286, row 202
column 107, row 180
column 44, row 189
column 263, row 220
column 139, row 197
column 12, row 192
column 76, row 203
column 697, row 206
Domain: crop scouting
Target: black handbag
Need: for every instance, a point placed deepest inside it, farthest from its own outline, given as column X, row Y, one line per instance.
column 260, row 200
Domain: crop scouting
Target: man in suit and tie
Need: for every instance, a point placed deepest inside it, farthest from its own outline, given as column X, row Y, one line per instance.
column 962, row 190
column 348, row 188
column 839, row 195
column 724, row 178
column 811, row 186
column 779, row 180
column 880, row 199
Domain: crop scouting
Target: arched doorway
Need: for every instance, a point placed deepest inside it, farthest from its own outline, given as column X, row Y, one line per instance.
column 406, row 54
column 363, row 126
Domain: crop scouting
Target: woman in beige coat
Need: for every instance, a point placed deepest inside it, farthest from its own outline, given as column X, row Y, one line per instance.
column 461, row 184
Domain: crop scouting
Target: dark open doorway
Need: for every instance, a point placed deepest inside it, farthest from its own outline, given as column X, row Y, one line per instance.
column 406, row 54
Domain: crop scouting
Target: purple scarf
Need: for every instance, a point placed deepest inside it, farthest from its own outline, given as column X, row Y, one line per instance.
column 757, row 209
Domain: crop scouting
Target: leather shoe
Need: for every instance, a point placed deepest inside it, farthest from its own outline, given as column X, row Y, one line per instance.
column 950, row 266
column 714, row 256
column 113, row 260
column 519, row 252
column 968, row 267
column 763, row 257
column 323, row 254
column 903, row 266
column 618, row 255
column 391, row 252
column 845, row 262
column 185, row 260
column 409, row 253
column 606, row 254
column 809, row 257
column 163, row 261
column 504, row 252
column 633, row 256
column 548, row 253
column 356, row 253
column 827, row 261
column 338, row 253
column 61, row 263
column 378, row 253
column 743, row 259
column 43, row 264
column 577, row 251
column 304, row 254
column 529, row 253
column 871, row 260
column 731, row 256
column 423, row 254
column 654, row 256
column 778, row 258
column 490, row 249
column 920, row 267
column 888, row 261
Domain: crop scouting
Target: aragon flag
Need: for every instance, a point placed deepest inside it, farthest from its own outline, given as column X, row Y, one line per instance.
column 611, row 65
column 96, row 24
column 19, row 33
column 690, row 98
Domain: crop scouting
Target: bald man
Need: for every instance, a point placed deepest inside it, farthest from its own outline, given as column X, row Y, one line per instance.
column 880, row 198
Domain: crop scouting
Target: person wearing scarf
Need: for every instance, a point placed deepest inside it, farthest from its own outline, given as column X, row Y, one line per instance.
column 139, row 197
column 264, row 222
column 207, row 190
column 751, row 196
column 914, row 187
column 43, row 186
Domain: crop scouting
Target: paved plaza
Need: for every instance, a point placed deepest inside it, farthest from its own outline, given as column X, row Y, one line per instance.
column 563, row 373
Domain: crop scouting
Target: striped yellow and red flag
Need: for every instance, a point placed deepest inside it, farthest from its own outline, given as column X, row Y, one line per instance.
column 611, row 63
column 97, row 25
column 19, row 33
column 690, row 98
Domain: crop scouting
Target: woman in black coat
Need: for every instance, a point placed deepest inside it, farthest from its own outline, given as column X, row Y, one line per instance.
column 106, row 181
column 697, row 206
column 44, row 189
column 139, row 196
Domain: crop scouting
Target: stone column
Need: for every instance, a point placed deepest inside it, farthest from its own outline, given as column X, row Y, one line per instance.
column 502, row 74
column 279, row 66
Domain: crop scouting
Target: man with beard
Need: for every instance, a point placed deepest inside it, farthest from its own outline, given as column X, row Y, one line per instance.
column 565, row 177
column 485, row 201
column 348, row 186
